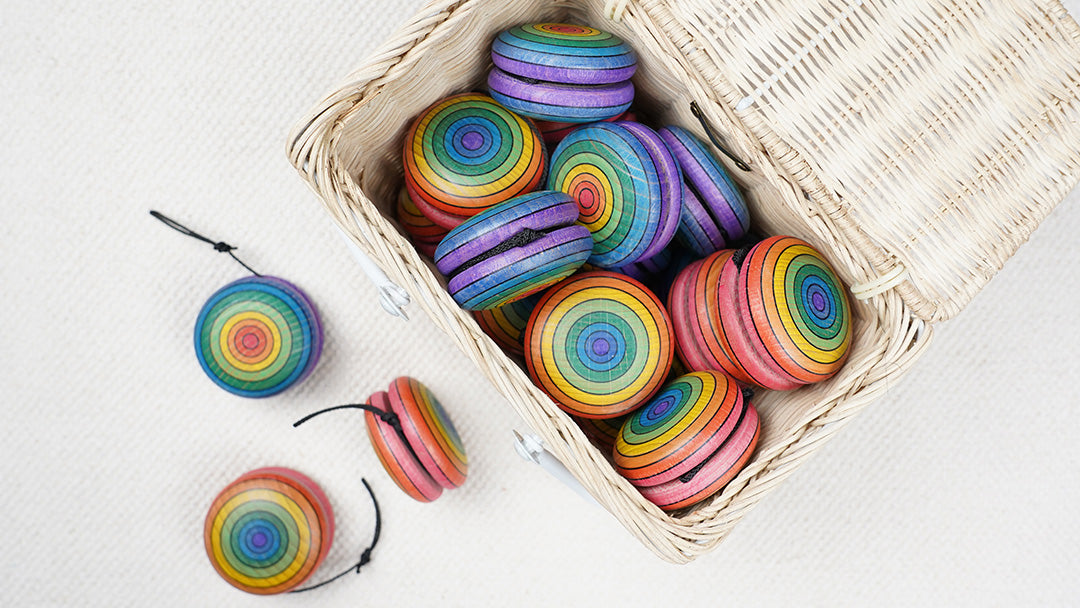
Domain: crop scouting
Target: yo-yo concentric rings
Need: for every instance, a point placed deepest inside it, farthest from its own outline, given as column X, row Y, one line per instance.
column 716, row 209
column 628, row 190
column 795, row 309
column 430, row 432
column 269, row 530
column 467, row 153
column 599, row 344
column 395, row 456
column 257, row 336
column 717, row 471
column 506, row 324
column 561, row 52
column 687, row 421
column 560, row 102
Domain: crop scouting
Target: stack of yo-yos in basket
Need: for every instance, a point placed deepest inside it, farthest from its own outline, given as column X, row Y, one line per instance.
column 567, row 259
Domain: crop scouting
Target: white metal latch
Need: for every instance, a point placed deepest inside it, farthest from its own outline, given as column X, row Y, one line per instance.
column 392, row 296
column 531, row 448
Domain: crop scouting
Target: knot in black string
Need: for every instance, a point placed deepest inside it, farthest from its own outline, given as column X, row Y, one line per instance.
column 393, row 420
column 365, row 557
column 221, row 246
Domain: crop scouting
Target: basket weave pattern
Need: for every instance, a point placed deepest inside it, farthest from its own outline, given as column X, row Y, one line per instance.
column 830, row 168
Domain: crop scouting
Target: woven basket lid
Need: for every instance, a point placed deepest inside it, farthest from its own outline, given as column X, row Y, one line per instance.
column 931, row 136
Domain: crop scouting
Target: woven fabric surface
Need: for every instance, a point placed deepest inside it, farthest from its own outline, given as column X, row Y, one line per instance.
column 955, row 488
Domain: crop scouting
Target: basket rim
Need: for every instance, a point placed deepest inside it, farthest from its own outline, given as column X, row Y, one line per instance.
column 311, row 148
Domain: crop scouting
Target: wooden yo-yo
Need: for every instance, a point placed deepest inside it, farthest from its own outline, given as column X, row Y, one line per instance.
column 268, row 531
column 785, row 314
column 689, row 441
column 513, row 250
column 562, row 72
column 467, row 153
column 599, row 343
column 413, row 437
column 258, row 335
column 627, row 186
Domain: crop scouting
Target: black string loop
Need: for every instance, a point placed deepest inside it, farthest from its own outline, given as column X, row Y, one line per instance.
column 365, row 556
column 698, row 114
column 221, row 246
column 392, row 419
column 386, row 416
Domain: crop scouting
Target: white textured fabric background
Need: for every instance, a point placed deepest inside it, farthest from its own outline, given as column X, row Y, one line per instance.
column 959, row 487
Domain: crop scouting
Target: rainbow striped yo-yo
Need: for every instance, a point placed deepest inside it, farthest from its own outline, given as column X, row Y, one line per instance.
column 269, row 530
column 627, row 186
column 599, row 344
column 554, row 132
column 425, row 234
column 700, row 332
column 426, row 456
column 258, row 336
column 563, row 52
column 467, row 153
column 689, row 441
column 562, row 72
column 513, row 249
column 560, row 102
column 790, row 317
column 506, row 324
column 714, row 214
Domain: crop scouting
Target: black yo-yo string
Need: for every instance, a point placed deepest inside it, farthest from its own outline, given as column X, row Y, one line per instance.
column 395, row 422
column 221, row 246
column 365, row 556
column 386, row 416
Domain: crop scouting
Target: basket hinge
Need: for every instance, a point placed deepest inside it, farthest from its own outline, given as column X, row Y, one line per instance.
column 879, row 285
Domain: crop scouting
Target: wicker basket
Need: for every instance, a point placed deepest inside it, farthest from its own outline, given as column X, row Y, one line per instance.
column 916, row 143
